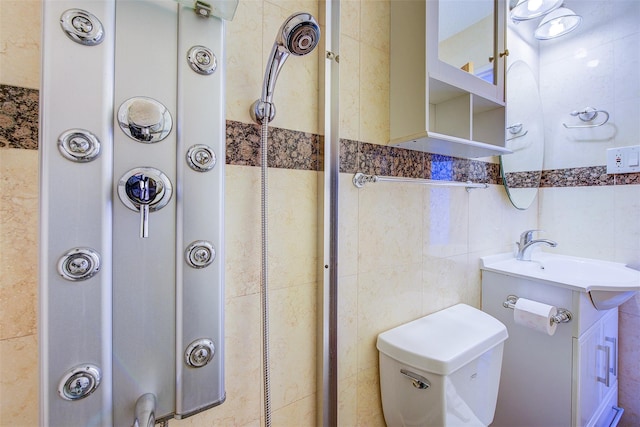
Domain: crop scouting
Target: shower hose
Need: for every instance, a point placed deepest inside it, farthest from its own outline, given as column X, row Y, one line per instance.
column 264, row 279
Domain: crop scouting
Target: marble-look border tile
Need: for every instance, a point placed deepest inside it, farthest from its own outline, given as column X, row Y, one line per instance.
column 18, row 117
column 372, row 159
column 527, row 179
column 576, row 177
column 290, row 149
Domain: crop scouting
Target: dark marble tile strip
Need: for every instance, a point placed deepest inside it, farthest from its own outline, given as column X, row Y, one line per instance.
column 576, row 177
column 375, row 159
column 18, row 117
column 528, row 179
column 299, row 150
column 288, row 149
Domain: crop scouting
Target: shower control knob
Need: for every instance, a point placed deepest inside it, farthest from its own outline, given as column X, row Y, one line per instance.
column 144, row 190
column 200, row 254
column 82, row 27
column 199, row 353
column 201, row 158
column 79, row 264
column 79, row 382
column 202, row 60
column 79, row 145
column 144, row 119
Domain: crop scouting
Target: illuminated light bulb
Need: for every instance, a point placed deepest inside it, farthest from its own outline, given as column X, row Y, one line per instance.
column 556, row 28
column 557, row 23
column 531, row 9
column 533, row 5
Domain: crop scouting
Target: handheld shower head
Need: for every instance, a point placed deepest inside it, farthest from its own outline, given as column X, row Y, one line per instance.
column 297, row 36
column 300, row 34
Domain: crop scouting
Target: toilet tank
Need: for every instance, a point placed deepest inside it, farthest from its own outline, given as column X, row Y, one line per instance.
column 458, row 352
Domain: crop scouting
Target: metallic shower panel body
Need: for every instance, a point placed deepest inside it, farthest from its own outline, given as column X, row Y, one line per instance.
column 134, row 318
column 144, row 269
column 200, row 291
column 75, row 316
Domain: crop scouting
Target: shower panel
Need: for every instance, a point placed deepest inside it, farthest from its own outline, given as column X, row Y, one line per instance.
column 132, row 202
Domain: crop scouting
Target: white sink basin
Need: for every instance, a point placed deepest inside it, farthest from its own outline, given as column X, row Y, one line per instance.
column 608, row 284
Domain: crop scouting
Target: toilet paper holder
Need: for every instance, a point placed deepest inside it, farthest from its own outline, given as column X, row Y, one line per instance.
column 563, row 316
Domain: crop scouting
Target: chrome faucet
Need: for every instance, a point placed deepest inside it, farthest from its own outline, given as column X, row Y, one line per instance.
column 526, row 243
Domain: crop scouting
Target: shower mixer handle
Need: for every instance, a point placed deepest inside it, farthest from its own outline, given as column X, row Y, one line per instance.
column 144, row 190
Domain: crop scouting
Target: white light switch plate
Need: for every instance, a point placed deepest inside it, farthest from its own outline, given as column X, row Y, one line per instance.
column 623, row 159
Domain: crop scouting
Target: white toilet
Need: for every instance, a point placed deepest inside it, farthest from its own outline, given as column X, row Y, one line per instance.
column 442, row 369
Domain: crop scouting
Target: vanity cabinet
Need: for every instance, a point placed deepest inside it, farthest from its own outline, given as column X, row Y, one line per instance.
column 596, row 370
column 565, row 379
column 447, row 85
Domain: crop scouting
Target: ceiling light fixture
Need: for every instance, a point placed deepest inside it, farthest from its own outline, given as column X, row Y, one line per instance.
column 557, row 23
column 531, row 9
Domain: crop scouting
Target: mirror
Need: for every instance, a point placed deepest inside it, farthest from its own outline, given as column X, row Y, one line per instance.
column 466, row 36
column 522, row 169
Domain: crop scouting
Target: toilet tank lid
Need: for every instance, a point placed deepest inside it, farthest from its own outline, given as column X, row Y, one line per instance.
column 444, row 341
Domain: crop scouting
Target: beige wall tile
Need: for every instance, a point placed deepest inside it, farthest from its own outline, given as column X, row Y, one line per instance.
column 18, row 242
column 446, row 283
column 299, row 413
column 350, row 18
column 20, row 24
column 242, row 230
column 374, row 94
column 293, row 343
column 626, row 222
column 569, row 216
column 369, row 403
column 487, row 218
column 348, row 214
column 348, row 401
column 387, row 297
column 375, row 21
column 19, row 382
column 446, row 221
column 350, row 88
column 245, row 60
column 347, row 327
column 389, row 226
column 293, row 219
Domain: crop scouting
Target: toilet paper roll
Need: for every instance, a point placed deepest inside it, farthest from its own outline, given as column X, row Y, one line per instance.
column 535, row 315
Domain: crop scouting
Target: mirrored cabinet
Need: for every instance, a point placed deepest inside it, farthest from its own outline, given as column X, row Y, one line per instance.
column 447, row 71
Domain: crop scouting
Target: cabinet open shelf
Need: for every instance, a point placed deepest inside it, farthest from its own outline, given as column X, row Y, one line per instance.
column 436, row 107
